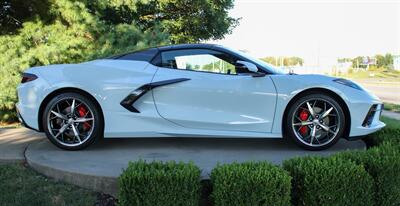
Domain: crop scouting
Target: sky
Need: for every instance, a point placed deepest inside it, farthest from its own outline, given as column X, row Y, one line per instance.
column 318, row 31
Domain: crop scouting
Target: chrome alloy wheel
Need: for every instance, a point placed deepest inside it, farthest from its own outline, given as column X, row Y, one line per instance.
column 70, row 122
column 316, row 122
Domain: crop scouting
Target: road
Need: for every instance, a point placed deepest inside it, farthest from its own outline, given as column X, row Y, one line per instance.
column 387, row 92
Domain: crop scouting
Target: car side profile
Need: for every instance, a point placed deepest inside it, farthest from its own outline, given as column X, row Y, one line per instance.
column 192, row 90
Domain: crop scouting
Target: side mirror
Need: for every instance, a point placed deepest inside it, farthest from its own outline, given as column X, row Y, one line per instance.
column 252, row 68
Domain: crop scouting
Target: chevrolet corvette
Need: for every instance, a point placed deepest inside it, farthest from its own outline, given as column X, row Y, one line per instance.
column 192, row 90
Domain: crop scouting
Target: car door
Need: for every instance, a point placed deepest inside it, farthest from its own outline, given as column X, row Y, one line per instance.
column 207, row 91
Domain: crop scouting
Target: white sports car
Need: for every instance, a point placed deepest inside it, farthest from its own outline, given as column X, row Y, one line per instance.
column 195, row 90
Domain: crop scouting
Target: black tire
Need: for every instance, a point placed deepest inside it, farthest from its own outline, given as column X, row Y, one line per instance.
column 296, row 136
column 96, row 131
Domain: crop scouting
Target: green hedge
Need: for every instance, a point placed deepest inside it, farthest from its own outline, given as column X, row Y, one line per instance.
column 391, row 135
column 329, row 181
column 250, row 183
column 8, row 116
column 158, row 183
column 383, row 164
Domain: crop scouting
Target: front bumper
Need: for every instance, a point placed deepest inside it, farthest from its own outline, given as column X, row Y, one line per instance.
column 369, row 122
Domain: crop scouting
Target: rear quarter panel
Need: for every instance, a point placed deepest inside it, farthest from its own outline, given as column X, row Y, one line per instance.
column 108, row 81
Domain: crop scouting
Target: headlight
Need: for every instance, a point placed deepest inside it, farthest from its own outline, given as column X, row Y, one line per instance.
column 348, row 83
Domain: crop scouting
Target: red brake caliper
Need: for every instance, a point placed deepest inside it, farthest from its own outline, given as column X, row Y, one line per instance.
column 303, row 117
column 82, row 112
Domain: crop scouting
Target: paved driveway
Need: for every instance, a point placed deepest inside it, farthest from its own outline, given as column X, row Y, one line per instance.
column 13, row 143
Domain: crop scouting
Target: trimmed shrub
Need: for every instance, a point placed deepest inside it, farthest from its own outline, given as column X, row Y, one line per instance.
column 386, row 135
column 250, row 183
column 383, row 164
column 158, row 183
column 391, row 133
column 329, row 181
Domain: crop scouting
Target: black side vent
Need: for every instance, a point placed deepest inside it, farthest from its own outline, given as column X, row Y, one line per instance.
column 370, row 116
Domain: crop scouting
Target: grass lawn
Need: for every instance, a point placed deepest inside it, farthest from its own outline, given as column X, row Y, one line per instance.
column 374, row 73
column 391, row 123
column 22, row 186
column 392, row 107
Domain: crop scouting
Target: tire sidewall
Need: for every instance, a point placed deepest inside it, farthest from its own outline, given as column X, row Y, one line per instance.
column 288, row 120
column 98, row 121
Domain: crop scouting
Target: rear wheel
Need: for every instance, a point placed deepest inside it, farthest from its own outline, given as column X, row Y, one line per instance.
column 72, row 121
column 315, row 121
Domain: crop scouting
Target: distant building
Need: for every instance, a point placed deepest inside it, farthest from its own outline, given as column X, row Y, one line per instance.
column 396, row 62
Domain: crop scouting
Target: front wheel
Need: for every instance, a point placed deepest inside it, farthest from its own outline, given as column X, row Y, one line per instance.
column 315, row 121
column 72, row 121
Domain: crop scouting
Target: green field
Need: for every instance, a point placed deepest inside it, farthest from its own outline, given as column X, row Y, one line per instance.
column 378, row 74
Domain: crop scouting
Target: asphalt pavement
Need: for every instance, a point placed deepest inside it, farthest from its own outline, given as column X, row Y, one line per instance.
column 386, row 91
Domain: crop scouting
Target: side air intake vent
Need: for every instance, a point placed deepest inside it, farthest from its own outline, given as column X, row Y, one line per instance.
column 370, row 116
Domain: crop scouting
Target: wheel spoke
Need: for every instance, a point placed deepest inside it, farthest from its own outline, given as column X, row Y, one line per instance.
column 310, row 109
column 86, row 114
column 324, row 127
column 316, row 138
column 76, row 133
column 313, row 130
column 326, row 113
column 62, row 130
column 73, row 107
column 80, row 120
column 315, row 102
column 303, row 123
column 298, row 119
column 59, row 115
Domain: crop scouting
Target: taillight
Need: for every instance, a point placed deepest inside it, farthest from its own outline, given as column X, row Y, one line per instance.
column 26, row 77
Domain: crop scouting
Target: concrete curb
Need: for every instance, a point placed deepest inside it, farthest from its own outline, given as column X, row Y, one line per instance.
column 103, row 184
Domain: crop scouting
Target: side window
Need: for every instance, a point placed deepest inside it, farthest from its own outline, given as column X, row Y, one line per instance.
column 199, row 60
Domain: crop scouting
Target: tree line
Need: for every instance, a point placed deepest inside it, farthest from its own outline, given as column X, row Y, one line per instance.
column 284, row 61
column 380, row 61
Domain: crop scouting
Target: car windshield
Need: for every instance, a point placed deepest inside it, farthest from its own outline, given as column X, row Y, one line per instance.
column 264, row 64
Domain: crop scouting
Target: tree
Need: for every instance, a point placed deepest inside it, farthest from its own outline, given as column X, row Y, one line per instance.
column 286, row 61
column 185, row 21
column 388, row 61
column 358, row 62
column 13, row 13
column 343, row 60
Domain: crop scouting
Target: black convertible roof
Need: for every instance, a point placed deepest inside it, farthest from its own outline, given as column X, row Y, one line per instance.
column 186, row 46
column 149, row 53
